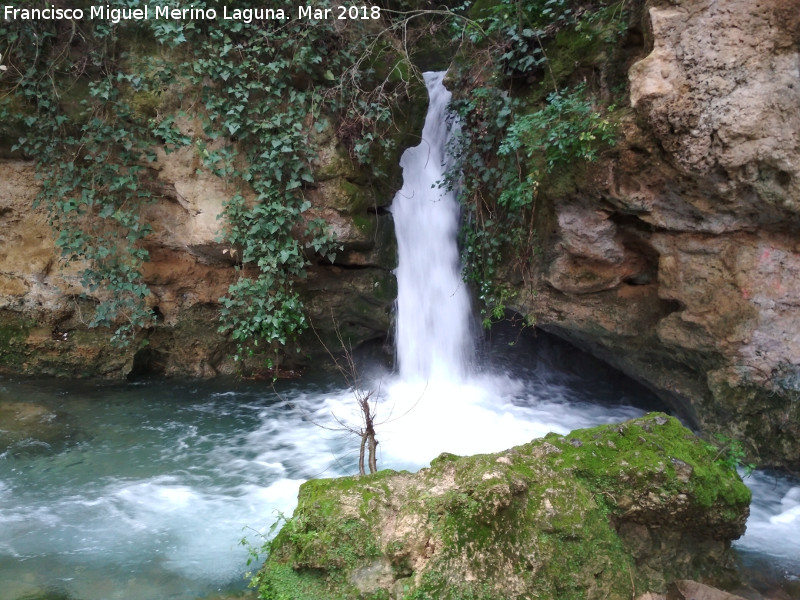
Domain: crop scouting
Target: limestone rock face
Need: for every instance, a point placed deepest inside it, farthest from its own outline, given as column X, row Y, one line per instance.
column 44, row 308
column 720, row 89
column 598, row 514
column 676, row 256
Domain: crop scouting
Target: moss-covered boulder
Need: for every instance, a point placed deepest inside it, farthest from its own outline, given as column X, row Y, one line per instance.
column 608, row 512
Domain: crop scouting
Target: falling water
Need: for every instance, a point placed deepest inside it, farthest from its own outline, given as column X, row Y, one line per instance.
column 770, row 548
column 433, row 310
column 139, row 492
column 438, row 403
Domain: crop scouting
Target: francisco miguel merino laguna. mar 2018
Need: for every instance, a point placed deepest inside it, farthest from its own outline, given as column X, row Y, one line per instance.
column 159, row 12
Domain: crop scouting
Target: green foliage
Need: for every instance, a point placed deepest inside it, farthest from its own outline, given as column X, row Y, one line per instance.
column 731, row 454
column 255, row 95
column 569, row 127
column 520, row 25
column 513, row 139
column 503, row 153
column 92, row 158
column 478, row 172
column 265, row 112
column 281, row 88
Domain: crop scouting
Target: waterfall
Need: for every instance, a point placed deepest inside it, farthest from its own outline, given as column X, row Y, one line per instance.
column 433, row 309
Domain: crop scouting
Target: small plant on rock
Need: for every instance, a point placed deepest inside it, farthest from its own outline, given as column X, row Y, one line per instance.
column 731, row 453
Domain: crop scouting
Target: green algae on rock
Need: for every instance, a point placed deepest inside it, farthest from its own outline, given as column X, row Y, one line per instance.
column 608, row 512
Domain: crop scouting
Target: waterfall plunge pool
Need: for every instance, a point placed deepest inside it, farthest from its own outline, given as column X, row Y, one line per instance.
column 144, row 491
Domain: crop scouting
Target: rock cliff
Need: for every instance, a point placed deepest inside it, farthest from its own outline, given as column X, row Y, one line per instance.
column 44, row 308
column 185, row 163
column 675, row 257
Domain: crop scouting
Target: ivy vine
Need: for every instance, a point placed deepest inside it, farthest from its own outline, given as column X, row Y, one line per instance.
column 67, row 109
column 522, row 122
column 261, row 91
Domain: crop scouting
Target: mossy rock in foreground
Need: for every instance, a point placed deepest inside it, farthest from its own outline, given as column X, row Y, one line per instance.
column 602, row 513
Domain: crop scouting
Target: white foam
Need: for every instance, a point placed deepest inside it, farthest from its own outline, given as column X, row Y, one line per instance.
column 790, row 516
column 433, row 308
column 415, row 422
column 774, row 525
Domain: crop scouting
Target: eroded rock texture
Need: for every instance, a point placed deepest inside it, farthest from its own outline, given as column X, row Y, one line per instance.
column 604, row 513
column 44, row 308
column 677, row 257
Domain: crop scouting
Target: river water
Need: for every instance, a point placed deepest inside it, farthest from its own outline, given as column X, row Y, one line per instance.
column 144, row 491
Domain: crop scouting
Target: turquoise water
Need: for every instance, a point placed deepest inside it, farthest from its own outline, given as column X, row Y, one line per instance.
column 137, row 491
column 144, row 491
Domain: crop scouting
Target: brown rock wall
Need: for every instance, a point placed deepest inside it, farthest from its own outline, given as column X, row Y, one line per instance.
column 676, row 256
column 44, row 309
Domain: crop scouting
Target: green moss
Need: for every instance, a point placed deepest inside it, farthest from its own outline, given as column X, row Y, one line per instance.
column 13, row 333
column 356, row 199
column 281, row 582
column 571, row 48
column 338, row 162
column 365, row 224
column 541, row 518
column 436, row 586
column 630, row 456
column 485, row 518
column 153, row 94
column 146, row 103
column 407, row 119
column 328, row 540
column 386, row 245
column 443, row 459
column 387, row 63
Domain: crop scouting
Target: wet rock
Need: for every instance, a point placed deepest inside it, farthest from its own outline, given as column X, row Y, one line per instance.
column 675, row 257
column 686, row 589
column 30, row 429
column 546, row 519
